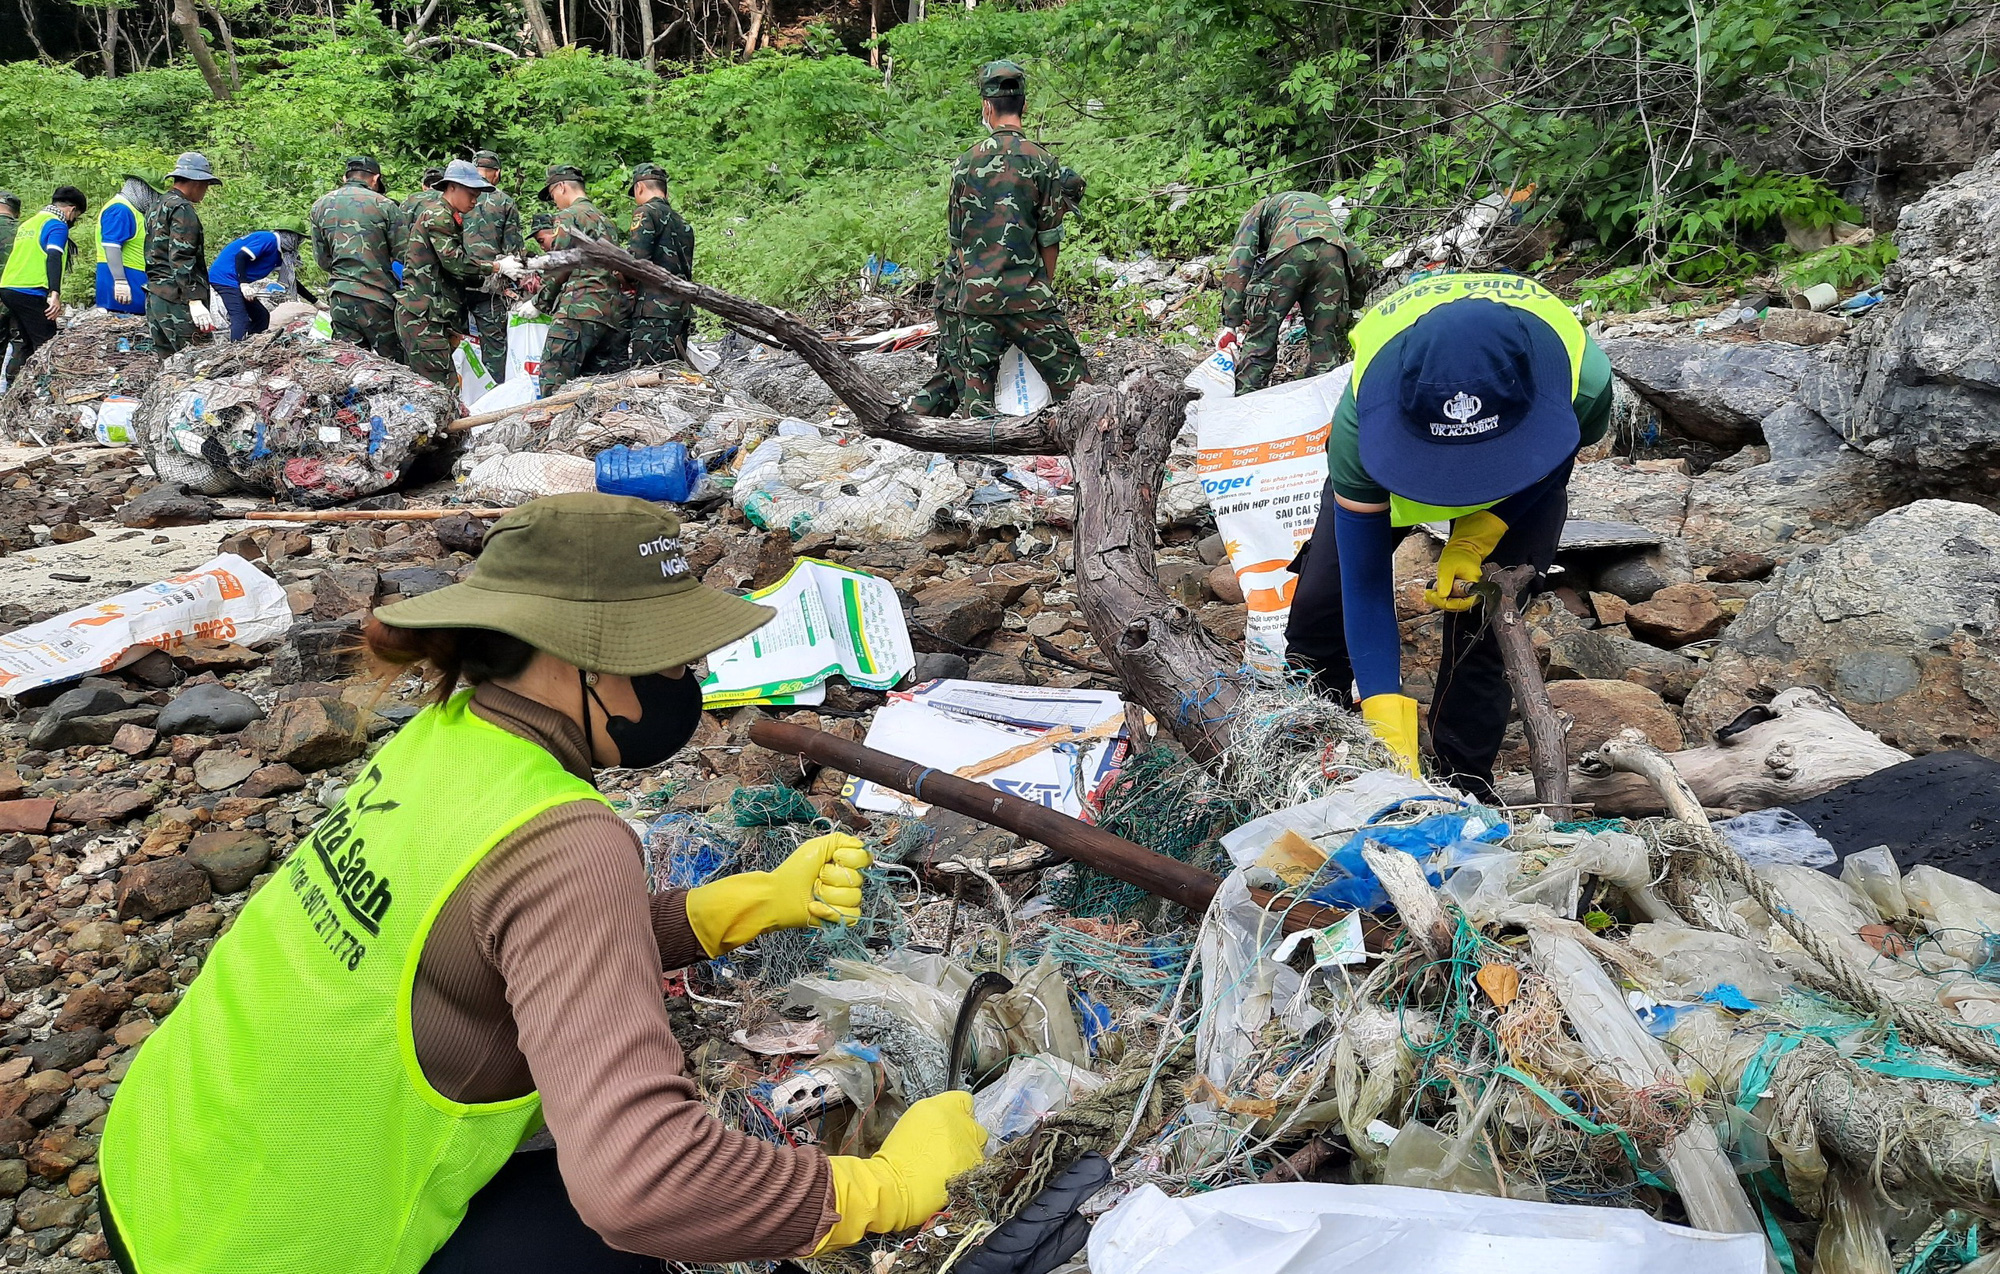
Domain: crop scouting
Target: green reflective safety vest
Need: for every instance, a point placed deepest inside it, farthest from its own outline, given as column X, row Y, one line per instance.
column 134, row 255
column 28, row 264
column 279, row 1121
column 1405, row 306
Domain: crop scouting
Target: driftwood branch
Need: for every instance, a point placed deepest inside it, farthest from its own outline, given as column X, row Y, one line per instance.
column 1546, row 755
column 488, row 45
column 1117, row 437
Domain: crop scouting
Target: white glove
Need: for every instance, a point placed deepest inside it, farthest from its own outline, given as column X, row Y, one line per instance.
column 526, row 310
column 511, row 267
column 121, row 291
column 202, row 319
column 1227, row 339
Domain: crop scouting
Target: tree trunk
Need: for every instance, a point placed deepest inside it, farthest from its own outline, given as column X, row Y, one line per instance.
column 646, row 39
column 110, row 41
column 562, row 16
column 757, row 8
column 874, row 33
column 228, row 46
column 34, row 32
column 538, row 26
column 189, row 29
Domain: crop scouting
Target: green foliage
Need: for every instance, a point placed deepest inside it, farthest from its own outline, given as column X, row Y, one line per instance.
column 1844, row 265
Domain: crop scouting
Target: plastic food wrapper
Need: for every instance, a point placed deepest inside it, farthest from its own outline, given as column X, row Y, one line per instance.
column 953, row 725
column 225, row 598
column 1329, row 817
column 1262, row 464
column 1873, row 874
column 830, row 619
column 1031, row 1089
column 1337, row 1229
column 1775, row 836
column 1964, row 915
column 1693, row 962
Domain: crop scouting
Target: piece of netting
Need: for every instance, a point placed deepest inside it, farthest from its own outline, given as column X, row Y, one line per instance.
column 1163, row 801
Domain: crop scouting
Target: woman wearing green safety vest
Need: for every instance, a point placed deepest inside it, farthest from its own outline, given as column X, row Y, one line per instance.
column 31, row 277
column 464, row 950
column 121, row 245
column 1470, row 398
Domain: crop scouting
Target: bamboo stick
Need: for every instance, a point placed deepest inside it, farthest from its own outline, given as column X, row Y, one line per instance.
column 637, row 380
column 363, row 515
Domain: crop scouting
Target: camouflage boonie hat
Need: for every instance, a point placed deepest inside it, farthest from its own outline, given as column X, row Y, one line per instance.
column 598, row 581
column 362, row 164
column 1073, row 186
column 486, row 159
column 561, row 172
column 1002, row 79
column 431, row 177
column 647, row 172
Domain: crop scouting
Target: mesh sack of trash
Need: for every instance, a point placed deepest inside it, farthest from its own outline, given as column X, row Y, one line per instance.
column 283, row 414
column 869, row 489
column 61, row 391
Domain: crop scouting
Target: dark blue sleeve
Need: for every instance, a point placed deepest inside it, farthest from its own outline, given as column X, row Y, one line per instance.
column 1368, row 600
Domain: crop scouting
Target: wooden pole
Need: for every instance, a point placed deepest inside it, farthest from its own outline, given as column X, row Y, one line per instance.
column 1547, row 756
column 363, row 515
column 637, row 380
column 1115, row 856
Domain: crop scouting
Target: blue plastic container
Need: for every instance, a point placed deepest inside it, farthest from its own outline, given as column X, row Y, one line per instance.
column 666, row 472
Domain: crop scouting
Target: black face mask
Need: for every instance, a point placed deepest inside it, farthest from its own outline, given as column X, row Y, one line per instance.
column 669, row 712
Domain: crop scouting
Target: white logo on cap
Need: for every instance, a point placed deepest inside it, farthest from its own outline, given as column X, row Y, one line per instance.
column 1462, row 406
column 667, row 548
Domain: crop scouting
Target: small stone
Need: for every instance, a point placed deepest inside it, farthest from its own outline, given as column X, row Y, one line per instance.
column 243, row 544
column 1609, row 608
column 13, row 1177
column 70, row 532
column 168, row 504
column 272, row 780
column 31, row 815
column 130, row 1033
column 40, row 1209
column 215, row 771
column 93, row 1004
column 1224, row 586
column 57, row 1151
column 97, row 935
column 1737, row 567
column 134, row 740
column 1225, row 623
column 231, row 859
column 1801, row 327
column 66, row 1050
column 461, row 532
column 1184, row 582
column 12, row 785
column 210, row 709
column 940, row 665
column 310, row 733
column 415, row 581
column 345, row 590
column 80, row 1183
column 1677, row 615
column 154, row 889
column 1212, row 549
column 1637, row 578
column 206, row 654
column 114, row 806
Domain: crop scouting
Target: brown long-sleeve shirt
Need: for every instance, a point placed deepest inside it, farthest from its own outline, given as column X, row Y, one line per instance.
column 543, row 972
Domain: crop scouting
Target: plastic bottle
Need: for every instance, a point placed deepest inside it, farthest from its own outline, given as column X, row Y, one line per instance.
column 666, row 472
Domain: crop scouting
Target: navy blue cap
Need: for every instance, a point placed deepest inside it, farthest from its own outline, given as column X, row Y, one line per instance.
column 1469, row 404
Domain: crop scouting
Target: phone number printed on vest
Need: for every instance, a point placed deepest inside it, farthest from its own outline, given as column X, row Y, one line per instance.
column 339, row 850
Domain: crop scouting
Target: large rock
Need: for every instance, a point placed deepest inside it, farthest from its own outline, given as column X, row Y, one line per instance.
column 155, row 889
column 1900, row 621
column 317, row 651
column 169, row 504
column 1812, row 490
column 310, row 733
column 231, row 859
column 1928, row 361
column 1605, row 656
column 1716, row 391
column 1598, row 710
column 1677, row 616
column 208, row 709
column 1618, row 491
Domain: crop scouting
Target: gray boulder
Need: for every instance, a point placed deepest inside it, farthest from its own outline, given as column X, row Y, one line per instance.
column 208, row 709
column 1928, row 360
column 1900, row 621
column 1716, row 391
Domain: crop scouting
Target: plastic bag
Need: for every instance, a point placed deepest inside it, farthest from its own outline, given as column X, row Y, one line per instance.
column 1215, row 377
column 528, row 475
column 526, row 338
column 1693, row 962
column 1873, row 874
column 114, row 422
column 1776, row 836
column 511, row 393
column 475, row 381
column 1019, row 389
column 1300, row 1228
column 1962, row 914
column 665, row 472
column 1032, row 1089
column 1851, row 1236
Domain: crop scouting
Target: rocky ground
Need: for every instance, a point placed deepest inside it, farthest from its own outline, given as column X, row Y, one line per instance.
column 1818, row 488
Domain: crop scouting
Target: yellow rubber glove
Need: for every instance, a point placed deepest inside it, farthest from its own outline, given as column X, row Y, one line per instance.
column 903, row 1185
column 1394, row 719
column 820, row 882
column 1472, row 539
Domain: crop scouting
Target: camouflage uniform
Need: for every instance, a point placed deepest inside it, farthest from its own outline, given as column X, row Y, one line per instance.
column 430, row 310
column 9, row 337
column 659, row 323
column 1007, row 202
column 176, row 272
column 354, row 230
column 492, row 231
column 1289, row 250
column 591, row 311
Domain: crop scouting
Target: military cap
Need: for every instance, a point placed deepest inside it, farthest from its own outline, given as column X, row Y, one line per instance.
column 1073, row 186
column 542, row 221
column 460, row 173
column 561, row 172
column 11, row 201
column 486, row 158
column 194, row 166
column 648, row 172
column 431, row 177
column 1002, row 79
column 363, row 164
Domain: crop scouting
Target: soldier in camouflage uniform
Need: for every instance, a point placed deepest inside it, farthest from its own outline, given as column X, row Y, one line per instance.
column 591, row 311
column 1289, row 250
column 427, row 182
column 492, row 231
column 177, row 288
column 430, row 310
column 354, row 240
column 1004, row 221
column 660, row 235
column 10, row 335
column 543, row 229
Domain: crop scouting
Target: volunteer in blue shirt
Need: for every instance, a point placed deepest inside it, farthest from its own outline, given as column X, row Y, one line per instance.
column 252, row 259
column 31, row 278
column 1471, row 396
column 121, row 245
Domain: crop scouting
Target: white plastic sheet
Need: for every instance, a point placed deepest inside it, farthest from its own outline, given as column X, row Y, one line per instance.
column 1335, row 1229
column 224, row 598
column 525, row 339
column 1263, row 465
column 1020, row 389
column 475, row 379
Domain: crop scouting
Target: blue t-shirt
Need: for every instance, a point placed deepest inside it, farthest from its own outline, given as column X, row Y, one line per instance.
column 115, row 226
column 233, row 268
column 55, row 238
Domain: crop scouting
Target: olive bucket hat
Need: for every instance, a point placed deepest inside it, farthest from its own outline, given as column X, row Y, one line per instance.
column 599, row 581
